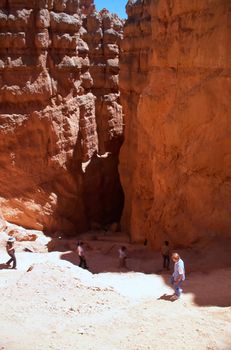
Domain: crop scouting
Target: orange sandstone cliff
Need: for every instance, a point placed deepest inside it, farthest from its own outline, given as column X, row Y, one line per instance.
column 175, row 85
column 60, row 115
column 61, row 119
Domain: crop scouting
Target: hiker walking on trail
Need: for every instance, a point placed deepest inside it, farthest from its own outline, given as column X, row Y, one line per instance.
column 11, row 252
column 178, row 275
column 165, row 250
column 122, row 256
column 81, row 254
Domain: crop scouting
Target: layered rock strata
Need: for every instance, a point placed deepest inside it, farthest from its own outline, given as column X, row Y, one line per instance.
column 60, row 115
column 175, row 83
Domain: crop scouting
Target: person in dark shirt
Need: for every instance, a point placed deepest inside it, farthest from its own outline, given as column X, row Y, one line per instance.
column 166, row 255
column 11, row 252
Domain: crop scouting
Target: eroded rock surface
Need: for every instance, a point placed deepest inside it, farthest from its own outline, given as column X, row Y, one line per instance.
column 176, row 159
column 60, row 115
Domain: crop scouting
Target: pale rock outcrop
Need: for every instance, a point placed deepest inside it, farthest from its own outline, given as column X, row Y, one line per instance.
column 21, row 235
column 2, row 222
column 175, row 82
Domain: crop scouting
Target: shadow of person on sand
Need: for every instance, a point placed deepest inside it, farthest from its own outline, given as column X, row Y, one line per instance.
column 4, row 267
column 167, row 297
column 208, row 289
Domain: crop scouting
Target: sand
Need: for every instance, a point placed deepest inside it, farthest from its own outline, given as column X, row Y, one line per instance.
column 57, row 305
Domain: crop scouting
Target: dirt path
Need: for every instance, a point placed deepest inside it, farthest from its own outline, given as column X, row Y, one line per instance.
column 59, row 306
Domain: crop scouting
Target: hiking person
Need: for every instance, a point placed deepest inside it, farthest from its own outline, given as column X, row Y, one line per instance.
column 165, row 250
column 122, row 256
column 81, row 254
column 178, row 275
column 11, row 252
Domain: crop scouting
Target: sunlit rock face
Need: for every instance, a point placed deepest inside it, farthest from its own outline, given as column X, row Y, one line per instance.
column 60, row 115
column 2, row 221
column 175, row 86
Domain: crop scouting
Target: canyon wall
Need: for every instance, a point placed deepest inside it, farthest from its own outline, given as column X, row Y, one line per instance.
column 175, row 88
column 60, row 115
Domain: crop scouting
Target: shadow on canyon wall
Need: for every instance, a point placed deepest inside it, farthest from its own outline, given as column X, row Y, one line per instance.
column 89, row 199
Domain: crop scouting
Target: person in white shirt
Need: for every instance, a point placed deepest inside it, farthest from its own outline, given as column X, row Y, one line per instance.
column 122, row 256
column 178, row 275
column 81, row 254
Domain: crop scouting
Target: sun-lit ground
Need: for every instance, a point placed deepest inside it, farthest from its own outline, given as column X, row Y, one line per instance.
column 57, row 305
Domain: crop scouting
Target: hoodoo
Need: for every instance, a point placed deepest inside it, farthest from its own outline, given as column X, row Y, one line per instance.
column 66, row 70
column 59, row 108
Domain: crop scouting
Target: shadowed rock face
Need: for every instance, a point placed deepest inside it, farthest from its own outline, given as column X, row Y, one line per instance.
column 60, row 114
column 175, row 85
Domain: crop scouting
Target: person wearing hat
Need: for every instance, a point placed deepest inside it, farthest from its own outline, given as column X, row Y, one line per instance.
column 11, row 252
